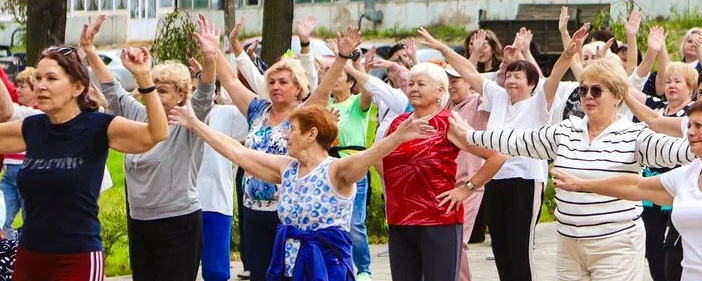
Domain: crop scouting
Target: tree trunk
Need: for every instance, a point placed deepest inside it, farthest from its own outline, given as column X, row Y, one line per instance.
column 277, row 28
column 229, row 7
column 46, row 26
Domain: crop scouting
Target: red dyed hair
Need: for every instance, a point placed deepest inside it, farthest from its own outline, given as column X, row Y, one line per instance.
column 316, row 116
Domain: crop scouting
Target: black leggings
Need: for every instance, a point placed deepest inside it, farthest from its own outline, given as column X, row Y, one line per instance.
column 673, row 253
column 514, row 206
column 429, row 253
column 655, row 224
column 260, row 228
column 166, row 249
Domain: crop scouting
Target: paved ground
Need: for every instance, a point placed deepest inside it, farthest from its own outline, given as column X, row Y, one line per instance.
column 483, row 270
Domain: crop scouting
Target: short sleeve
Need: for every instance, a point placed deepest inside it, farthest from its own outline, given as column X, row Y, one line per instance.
column 257, row 107
column 671, row 179
column 491, row 92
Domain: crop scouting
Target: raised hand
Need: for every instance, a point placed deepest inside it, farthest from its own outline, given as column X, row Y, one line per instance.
column 251, row 50
column 429, row 40
column 414, row 128
column 511, row 54
column 208, row 37
column 577, row 41
column 563, row 19
column 349, row 42
column 602, row 52
column 331, row 44
column 234, row 36
column 523, row 39
column 305, row 28
column 370, row 58
column 136, row 60
column 565, row 181
column 336, row 113
column 458, row 128
column 656, row 38
column 195, row 66
column 183, row 116
column 631, row 26
column 87, row 36
column 381, row 63
column 479, row 41
column 411, row 47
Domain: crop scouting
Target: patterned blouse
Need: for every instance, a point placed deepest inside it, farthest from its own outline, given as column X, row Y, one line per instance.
column 311, row 203
column 261, row 195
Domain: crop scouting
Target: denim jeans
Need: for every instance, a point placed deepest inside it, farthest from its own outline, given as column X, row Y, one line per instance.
column 12, row 199
column 359, row 234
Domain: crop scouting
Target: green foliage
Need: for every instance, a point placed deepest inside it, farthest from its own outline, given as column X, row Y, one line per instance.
column 444, row 33
column 174, row 39
column 17, row 8
column 549, row 206
column 604, row 21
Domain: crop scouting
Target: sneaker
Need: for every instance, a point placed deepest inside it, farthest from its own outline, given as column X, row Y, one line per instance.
column 246, row 275
column 490, row 257
column 384, row 253
column 364, row 276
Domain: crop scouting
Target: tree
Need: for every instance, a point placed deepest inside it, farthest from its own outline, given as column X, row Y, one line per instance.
column 277, row 28
column 46, row 26
column 17, row 8
column 229, row 7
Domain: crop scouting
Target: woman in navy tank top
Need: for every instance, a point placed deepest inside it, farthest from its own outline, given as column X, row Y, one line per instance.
column 66, row 152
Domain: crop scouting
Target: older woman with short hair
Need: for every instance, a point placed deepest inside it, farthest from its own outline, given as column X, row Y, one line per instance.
column 316, row 191
column 600, row 237
column 424, row 200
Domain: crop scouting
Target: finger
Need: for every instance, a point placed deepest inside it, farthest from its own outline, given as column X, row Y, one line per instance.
column 450, row 207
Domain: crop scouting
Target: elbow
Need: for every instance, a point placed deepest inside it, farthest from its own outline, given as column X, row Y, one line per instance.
column 159, row 137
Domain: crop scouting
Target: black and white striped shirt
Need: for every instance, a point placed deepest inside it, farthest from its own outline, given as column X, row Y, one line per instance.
column 622, row 148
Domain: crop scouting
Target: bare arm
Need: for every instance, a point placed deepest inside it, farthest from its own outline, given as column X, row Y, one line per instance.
column 631, row 28
column 627, row 187
column 662, row 61
column 11, row 140
column 666, row 125
column 351, row 169
column 523, row 41
column 87, row 43
column 136, row 137
column 356, row 69
column 460, row 63
column 241, row 95
column 561, row 66
column 347, row 45
column 6, row 108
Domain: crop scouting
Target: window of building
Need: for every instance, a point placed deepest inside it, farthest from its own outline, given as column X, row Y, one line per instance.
column 201, row 4
column 166, row 4
column 92, row 5
column 185, row 4
column 303, row 1
column 106, row 5
column 134, row 9
column 121, row 4
column 252, row 2
column 216, row 5
column 79, row 5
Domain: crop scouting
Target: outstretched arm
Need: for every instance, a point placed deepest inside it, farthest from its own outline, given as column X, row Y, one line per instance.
column 561, row 66
column 347, row 45
column 460, row 63
column 11, row 140
column 267, row 167
column 137, row 137
column 665, row 125
column 627, row 187
column 631, row 27
column 351, row 169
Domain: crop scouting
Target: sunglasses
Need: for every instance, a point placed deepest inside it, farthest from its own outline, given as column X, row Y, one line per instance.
column 595, row 91
column 65, row 50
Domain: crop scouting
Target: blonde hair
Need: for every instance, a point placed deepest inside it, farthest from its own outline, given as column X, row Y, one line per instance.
column 610, row 74
column 687, row 71
column 176, row 74
column 298, row 75
column 437, row 75
column 27, row 76
column 690, row 32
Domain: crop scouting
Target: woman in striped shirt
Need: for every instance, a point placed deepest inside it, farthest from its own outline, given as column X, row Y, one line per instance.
column 600, row 237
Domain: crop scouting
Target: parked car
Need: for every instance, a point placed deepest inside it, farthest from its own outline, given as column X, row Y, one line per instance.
column 9, row 63
column 318, row 46
column 114, row 64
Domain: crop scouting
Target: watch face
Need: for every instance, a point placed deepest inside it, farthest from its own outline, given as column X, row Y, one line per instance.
column 355, row 55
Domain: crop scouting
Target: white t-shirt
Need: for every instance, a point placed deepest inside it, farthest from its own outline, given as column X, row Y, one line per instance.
column 527, row 114
column 215, row 180
column 681, row 183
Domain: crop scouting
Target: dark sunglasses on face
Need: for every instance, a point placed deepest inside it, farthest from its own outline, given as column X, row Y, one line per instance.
column 595, row 91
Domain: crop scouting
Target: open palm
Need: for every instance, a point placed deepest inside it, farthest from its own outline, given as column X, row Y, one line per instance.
column 208, row 37
column 87, row 37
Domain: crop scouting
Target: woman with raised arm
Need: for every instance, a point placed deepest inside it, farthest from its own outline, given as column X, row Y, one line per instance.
column 484, row 50
column 603, row 144
column 163, row 205
column 66, row 151
column 679, row 187
column 316, row 192
column 268, row 120
column 514, row 195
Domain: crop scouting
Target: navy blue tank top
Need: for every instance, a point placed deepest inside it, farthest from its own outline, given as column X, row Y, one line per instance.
column 60, row 183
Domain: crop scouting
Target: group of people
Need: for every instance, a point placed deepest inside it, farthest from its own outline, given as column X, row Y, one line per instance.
column 460, row 144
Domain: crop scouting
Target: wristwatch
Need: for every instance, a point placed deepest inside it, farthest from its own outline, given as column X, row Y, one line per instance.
column 470, row 186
